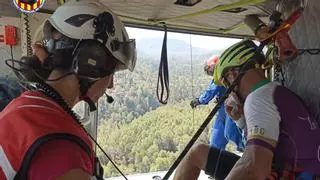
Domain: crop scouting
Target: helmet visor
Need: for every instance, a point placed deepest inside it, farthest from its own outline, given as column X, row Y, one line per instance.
column 127, row 55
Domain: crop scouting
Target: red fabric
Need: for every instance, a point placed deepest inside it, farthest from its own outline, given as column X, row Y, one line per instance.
column 56, row 158
column 30, row 117
column 2, row 175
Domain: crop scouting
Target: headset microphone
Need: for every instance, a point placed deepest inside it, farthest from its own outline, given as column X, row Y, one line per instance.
column 109, row 98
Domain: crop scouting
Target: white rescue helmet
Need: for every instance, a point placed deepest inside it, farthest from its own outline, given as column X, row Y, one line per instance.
column 75, row 19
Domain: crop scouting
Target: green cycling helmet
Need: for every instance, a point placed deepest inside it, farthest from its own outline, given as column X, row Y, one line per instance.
column 234, row 56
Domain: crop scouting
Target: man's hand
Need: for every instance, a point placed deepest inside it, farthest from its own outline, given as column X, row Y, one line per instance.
column 194, row 103
column 233, row 107
column 234, row 112
column 40, row 52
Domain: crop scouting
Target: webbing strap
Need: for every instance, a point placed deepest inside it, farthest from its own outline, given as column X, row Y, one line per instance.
column 163, row 75
column 22, row 174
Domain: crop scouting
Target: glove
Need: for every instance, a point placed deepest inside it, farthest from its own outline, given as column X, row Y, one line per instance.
column 194, row 103
column 216, row 99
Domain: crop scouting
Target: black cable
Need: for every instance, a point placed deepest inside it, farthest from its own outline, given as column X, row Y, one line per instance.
column 50, row 80
column 21, row 80
column 56, row 79
column 12, row 61
column 199, row 131
column 11, row 52
column 32, row 69
column 28, row 34
column 107, row 156
column 21, row 83
column 11, row 66
column 243, row 70
column 309, row 51
column 163, row 75
column 53, row 94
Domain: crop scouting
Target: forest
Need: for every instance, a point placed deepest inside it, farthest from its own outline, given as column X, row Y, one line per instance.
column 137, row 132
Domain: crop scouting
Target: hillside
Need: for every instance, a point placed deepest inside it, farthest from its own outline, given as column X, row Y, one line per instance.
column 135, row 92
column 153, row 141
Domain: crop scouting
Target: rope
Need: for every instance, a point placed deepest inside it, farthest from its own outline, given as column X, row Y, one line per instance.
column 213, row 112
column 199, row 131
column 192, row 77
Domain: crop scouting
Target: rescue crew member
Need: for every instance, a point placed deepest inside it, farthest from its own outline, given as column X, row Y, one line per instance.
column 40, row 136
column 223, row 129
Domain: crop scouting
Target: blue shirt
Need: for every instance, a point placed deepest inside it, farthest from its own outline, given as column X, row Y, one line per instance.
column 212, row 91
column 231, row 131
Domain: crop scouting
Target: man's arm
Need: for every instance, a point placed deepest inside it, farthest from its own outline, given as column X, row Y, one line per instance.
column 210, row 93
column 254, row 164
column 263, row 129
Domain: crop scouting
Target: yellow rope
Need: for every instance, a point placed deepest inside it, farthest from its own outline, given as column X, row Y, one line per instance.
column 60, row 2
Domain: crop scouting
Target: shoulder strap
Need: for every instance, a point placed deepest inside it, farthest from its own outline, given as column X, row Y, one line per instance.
column 98, row 169
column 23, row 172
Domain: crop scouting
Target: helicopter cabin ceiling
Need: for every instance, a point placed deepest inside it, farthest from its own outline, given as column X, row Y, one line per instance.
column 210, row 17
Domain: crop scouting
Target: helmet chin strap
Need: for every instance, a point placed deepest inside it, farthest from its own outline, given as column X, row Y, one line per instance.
column 236, row 91
column 242, row 71
column 236, row 83
column 84, row 87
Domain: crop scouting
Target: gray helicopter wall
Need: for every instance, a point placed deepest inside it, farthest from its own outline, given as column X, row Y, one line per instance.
column 303, row 74
column 5, row 71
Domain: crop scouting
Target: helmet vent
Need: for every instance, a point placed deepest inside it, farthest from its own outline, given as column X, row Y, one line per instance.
column 79, row 20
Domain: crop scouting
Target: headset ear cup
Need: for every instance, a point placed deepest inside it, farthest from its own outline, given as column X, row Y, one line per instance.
column 84, row 63
column 92, row 60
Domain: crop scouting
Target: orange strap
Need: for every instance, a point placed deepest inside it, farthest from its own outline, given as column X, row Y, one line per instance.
column 286, row 25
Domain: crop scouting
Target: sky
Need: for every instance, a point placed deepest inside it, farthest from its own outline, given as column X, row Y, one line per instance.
column 206, row 42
